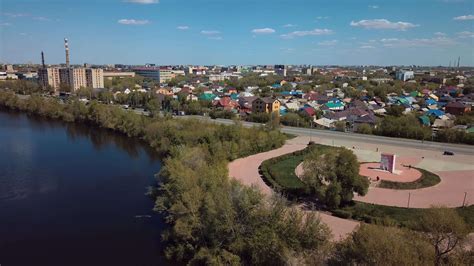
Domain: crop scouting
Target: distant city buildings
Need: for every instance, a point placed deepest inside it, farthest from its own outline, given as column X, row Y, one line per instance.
column 70, row 77
column 404, row 75
column 150, row 72
column 111, row 75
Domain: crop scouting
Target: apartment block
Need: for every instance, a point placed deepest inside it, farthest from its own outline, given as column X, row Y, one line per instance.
column 73, row 77
column 49, row 77
column 95, row 78
column 166, row 75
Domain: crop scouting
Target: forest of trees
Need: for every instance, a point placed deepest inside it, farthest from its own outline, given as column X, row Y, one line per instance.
column 215, row 220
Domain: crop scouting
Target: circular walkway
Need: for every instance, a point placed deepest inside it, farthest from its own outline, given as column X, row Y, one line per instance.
column 456, row 174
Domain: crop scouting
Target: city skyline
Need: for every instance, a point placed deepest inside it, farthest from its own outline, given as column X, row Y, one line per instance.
column 169, row 32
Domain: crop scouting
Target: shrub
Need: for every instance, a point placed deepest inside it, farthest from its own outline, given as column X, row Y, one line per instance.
column 342, row 214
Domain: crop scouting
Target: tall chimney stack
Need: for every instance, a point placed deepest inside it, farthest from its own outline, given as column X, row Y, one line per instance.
column 66, row 46
column 42, row 59
column 459, row 59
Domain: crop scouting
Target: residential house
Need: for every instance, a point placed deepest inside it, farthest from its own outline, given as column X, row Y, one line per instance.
column 266, row 105
column 457, row 108
column 335, row 105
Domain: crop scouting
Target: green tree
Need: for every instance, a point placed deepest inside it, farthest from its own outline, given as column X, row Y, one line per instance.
column 395, row 110
column 333, row 176
column 364, row 129
column 444, row 229
column 378, row 245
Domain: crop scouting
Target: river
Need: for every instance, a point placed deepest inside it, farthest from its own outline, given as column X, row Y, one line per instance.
column 72, row 194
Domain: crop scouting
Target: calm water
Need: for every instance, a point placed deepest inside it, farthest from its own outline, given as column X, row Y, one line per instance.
column 73, row 195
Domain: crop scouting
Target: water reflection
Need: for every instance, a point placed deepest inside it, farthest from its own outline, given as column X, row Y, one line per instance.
column 72, row 191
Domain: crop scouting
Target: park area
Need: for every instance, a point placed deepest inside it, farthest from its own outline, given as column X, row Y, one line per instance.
column 395, row 199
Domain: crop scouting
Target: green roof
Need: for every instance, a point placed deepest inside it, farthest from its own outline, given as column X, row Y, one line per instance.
column 334, row 105
column 414, row 94
column 207, row 96
column 425, row 120
column 470, row 130
column 403, row 101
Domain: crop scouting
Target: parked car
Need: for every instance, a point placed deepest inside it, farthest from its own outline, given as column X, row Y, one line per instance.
column 448, row 153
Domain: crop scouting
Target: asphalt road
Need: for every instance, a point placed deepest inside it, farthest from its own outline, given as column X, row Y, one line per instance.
column 342, row 136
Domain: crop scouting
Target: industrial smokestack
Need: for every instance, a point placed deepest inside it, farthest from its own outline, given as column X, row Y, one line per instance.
column 66, row 46
column 459, row 59
column 42, row 59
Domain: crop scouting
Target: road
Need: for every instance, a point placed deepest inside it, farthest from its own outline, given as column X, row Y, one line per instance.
column 354, row 137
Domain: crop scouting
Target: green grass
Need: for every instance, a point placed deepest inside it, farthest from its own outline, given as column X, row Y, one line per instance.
column 283, row 172
column 279, row 172
column 388, row 215
column 427, row 179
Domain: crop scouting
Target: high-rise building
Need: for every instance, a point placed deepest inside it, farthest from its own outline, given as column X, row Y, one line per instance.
column 74, row 78
column 95, row 78
column 49, row 76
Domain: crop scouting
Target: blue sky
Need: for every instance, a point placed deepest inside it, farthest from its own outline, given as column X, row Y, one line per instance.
column 345, row 32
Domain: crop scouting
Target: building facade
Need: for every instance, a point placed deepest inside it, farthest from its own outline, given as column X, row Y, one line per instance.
column 266, row 105
column 111, row 75
column 166, row 75
column 74, row 78
column 148, row 72
column 49, row 77
column 94, row 78
column 404, row 75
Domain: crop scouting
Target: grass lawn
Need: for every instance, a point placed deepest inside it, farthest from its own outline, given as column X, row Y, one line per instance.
column 427, row 179
column 283, row 172
column 388, row 215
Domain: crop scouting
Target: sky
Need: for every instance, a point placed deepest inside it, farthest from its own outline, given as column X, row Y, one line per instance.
column 239, row 32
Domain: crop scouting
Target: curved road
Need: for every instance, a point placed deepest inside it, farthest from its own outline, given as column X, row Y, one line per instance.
column 355, row 137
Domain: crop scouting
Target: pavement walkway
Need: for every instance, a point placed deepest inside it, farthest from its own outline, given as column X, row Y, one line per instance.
column 456, row 173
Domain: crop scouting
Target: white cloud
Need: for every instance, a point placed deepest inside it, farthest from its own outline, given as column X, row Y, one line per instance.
column 440, row 34
column 287, row 50
column 328, row 43
column 4, row 24
column 41, row 18
column 133, row 22
column 210, row 32
column 289, row 25
column 216, row 38
column 465, row 17
column 367, row 47
column 383, row 24
column 294, row 34
column 183, row 27
column 424, row 42
column 263, row 31
column 143, row 2
column 465, row 34
column 373, row 6
column 15, row 15
column 322, row 17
